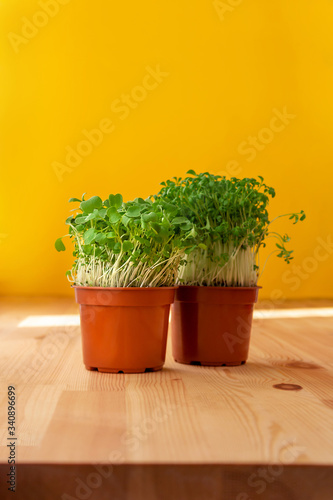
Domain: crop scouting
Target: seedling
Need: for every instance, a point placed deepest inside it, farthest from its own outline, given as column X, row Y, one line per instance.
column 230, row 224
column 140, row 243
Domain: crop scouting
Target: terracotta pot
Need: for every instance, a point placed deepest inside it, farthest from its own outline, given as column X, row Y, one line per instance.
column 124, row 329
column 212, row 325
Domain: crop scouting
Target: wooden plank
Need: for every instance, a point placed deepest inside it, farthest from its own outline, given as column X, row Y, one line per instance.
column 165, row 482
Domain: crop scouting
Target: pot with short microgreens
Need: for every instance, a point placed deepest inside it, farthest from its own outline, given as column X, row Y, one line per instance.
column 211, row 318
column 126, row 262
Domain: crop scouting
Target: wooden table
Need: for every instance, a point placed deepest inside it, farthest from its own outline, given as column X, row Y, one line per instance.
column 259, row 431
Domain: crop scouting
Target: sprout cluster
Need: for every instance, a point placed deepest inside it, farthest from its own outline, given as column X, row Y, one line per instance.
column 231, row 223
column 201, row 230
column 135, row 244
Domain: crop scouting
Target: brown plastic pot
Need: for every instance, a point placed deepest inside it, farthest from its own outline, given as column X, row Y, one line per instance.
column 212, row 325
column 124, row 329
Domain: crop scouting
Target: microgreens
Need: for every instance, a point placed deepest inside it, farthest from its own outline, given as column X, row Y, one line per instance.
column 135, row 244
column 230, row 224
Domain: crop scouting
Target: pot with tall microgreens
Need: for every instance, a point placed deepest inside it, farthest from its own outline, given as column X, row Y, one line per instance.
column 211, row 318
column 126, row 263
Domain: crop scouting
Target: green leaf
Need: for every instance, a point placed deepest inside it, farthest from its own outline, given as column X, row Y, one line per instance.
column 156, row 227
column 144, row 241
column 125, row 220
column 101, row 238
column 117, row 247
column 169, row 208
column 151, row 217
column 193, row 233
column 186, row 226
column 98, row 251
column 80, row 219
column 164, row 231
column 127, row 246
column 191, row 172
column 90, row 205
column 134, row 211
column 71, row 200
column 115, row 200
column 102, row 213
column 114, row 215
column 190, row 250
column 60, row 247
column 180, row 220
column 89, row 236
column 93, row 215
column 88, row 249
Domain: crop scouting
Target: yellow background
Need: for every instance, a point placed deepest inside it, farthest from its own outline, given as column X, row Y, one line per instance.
column 227, row 72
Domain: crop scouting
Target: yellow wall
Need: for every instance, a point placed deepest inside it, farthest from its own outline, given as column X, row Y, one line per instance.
column 226, row 69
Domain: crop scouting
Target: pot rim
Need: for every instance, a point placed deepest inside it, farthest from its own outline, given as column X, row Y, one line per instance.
column 127, row 288
column 221, row 287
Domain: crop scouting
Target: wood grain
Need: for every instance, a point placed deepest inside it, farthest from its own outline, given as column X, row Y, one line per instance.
column 231, row 417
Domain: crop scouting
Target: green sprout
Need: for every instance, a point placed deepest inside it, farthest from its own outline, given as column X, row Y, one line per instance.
column 140, row 243
column 230, row 224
